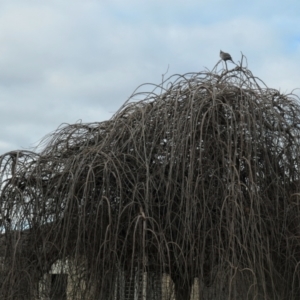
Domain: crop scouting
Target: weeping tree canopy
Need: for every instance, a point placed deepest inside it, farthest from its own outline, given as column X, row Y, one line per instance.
column 197, row 178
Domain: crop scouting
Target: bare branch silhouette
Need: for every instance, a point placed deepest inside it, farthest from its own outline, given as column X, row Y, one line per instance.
column 198, row 181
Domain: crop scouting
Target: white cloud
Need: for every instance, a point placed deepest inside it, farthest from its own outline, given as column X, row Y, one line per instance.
column 61, row 61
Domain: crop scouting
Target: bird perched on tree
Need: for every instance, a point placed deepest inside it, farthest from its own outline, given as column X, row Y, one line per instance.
column 225, row 56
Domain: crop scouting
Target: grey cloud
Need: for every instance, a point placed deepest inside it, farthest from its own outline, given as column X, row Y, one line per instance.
column 61, row 61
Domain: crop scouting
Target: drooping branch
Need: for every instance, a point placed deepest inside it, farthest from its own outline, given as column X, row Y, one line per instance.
column 198, row 178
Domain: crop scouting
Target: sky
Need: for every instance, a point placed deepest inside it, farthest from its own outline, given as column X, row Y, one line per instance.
column 79, row 60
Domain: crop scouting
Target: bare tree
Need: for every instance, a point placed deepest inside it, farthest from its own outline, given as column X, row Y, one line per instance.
column 199, row 178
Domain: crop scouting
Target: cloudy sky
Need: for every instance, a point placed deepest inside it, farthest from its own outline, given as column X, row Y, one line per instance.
column 62, row 61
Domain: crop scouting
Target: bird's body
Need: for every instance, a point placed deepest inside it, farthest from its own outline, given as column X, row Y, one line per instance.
column 225, row 56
